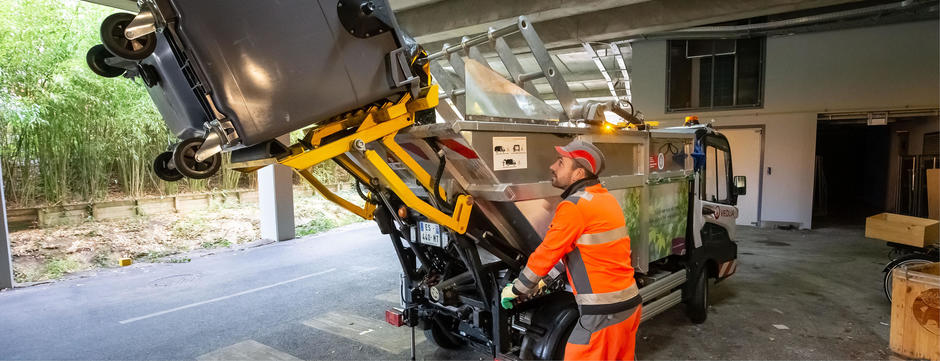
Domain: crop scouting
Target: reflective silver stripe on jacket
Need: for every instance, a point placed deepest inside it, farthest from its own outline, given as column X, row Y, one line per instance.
column 582, row 194
column 527, row 281
column 615, row 234
column 556, row 271
column 607, row 298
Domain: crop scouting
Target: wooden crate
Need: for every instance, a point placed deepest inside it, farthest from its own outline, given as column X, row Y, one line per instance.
column 915, row 311
column 912, row 231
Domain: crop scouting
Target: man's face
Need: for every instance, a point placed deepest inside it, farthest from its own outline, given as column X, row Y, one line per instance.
column 565, row 172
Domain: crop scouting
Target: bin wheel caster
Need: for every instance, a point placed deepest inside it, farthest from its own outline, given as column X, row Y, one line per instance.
column 113, row 39
column 95, row 59
column 161, row 167
column 184, row 158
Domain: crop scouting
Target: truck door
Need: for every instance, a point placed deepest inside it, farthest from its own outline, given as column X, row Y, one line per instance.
column 716, row 197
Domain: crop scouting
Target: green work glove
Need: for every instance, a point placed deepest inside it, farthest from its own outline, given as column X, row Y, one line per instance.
column 507, row 296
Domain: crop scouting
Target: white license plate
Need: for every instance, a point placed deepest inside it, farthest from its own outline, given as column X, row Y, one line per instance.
column 430, row 234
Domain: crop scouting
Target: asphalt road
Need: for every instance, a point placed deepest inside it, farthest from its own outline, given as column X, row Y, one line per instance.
column 321, row 297
column 796, row 295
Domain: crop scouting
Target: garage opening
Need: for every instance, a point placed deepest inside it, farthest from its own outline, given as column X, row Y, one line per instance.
column 873, row 162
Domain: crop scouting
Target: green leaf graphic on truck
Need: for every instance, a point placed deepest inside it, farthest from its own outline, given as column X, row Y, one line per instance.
column 668, row 207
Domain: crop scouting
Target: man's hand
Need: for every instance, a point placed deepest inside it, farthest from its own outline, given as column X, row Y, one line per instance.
column 507, row 296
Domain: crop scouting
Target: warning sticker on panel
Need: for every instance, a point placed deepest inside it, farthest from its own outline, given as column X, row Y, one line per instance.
column 509, row 153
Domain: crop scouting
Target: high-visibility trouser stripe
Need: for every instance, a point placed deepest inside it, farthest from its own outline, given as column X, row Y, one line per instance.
column 615, row 234
column 608, row 297
column 526, row 282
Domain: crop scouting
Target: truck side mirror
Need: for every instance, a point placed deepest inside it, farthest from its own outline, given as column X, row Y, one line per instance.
column 740, row 185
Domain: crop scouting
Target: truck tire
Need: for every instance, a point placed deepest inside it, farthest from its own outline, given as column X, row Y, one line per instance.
column 696, row 306
column 552, row 346
column 906, row 260
column 441, row 337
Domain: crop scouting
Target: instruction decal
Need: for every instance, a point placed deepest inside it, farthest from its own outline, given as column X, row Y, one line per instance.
column 658, row 162
column 509, row 153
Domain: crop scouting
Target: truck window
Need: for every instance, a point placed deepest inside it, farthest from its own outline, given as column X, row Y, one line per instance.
column 717, row 175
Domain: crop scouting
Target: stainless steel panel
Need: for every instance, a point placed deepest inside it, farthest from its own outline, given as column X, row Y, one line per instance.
column 492, row 96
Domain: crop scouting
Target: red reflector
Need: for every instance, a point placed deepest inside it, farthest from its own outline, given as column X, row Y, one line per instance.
column 394, row 317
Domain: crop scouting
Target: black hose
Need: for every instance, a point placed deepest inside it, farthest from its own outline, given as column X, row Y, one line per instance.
column 361, row 193
column 436, row 187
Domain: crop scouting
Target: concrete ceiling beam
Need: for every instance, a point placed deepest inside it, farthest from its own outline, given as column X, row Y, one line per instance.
column 612, row 24
column 454, row 18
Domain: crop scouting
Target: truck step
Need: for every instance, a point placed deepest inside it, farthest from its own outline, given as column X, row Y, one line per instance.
column 662, row 304
column 651, row 291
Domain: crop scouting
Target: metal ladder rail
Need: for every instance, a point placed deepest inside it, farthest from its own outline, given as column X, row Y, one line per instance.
column 547, row 68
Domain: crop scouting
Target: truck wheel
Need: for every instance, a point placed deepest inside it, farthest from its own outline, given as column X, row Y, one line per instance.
column 552, row 346
column 696, row 306
column 906, row 260
column 184, row 159
column 112, row 36
column 441, row 337
column 95, row 59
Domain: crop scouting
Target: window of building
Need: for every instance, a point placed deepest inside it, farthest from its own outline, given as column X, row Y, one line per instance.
column 715, row 74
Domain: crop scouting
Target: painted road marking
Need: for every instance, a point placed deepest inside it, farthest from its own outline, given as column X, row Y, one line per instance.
column 217, row 299
column 370, row 332
column 247, row 350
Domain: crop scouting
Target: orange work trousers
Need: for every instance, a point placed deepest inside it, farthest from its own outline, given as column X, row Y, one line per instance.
column 604, row 337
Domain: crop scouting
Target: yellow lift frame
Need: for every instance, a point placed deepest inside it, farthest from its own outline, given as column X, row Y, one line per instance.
column 375, row 124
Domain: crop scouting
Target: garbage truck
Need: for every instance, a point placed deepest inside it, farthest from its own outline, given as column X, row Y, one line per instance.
column 452, row 165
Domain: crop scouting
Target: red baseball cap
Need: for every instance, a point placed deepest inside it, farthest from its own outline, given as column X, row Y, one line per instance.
column 585, row 153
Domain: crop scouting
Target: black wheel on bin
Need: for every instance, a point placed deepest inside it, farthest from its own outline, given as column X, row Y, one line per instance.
column 696, row 305
column 184, row 159
column 95, row 59
column 161, row 166
column 437, row 333
column 906, row 260
column 112, row 36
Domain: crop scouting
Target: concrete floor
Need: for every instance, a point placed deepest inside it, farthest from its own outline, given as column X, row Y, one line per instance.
column 304, row 299
column 823, row 285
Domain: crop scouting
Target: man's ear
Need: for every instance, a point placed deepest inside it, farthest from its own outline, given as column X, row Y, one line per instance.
column 577, row 170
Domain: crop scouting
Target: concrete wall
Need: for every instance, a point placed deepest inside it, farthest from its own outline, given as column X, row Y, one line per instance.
column 876, row 68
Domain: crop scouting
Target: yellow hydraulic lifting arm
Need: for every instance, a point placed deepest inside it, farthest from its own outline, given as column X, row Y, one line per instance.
column 377, row 124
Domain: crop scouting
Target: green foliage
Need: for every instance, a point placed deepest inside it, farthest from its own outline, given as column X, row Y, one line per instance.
column 57, row 267
column 315, row 226
column 66, row 133
column 217, row 243
column 69, row 135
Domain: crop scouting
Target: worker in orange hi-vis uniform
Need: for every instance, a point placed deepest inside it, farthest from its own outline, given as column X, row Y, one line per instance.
column 588, row 232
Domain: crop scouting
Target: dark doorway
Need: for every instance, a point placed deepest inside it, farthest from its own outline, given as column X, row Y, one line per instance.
column 852, row 161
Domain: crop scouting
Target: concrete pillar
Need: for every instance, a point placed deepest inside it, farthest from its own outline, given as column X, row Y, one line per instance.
column 6, row 260
column 276, row 198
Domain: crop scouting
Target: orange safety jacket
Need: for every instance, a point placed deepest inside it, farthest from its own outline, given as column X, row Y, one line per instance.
column 589, row 232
